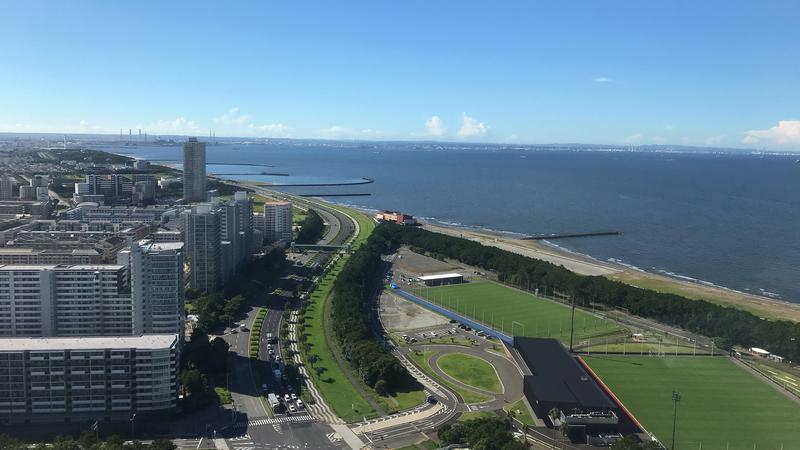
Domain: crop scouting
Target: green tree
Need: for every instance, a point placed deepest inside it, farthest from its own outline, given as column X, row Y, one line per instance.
column 381, row 387
column 196, row 383
column 162, row 444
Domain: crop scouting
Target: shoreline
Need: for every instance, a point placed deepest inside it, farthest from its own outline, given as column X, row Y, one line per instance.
column 762, row 306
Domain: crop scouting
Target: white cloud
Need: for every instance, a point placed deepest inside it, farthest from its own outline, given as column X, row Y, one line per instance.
column 715, row 140
column 334, row 132
column 604, row 80
column 632, row 139
column 435, row 126
column 659, row 140
column 235, row 123
column 786, row 133
column 270, row 130
column 471, row 128
column 233, row 117
column 179, row 125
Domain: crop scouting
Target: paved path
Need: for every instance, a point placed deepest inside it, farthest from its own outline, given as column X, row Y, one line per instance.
column 507, row 371
column 319, row 409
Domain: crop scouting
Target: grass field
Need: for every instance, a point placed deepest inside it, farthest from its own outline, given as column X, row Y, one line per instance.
column 521, row 412
column 470, row 370
column 422, row 359
column 332, row 383
column 722, row 406
column 518, row 313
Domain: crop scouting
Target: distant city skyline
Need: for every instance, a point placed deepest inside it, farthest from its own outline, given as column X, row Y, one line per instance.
column 720, row 74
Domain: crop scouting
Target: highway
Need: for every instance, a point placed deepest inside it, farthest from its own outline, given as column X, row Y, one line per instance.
column 253, row 427
column 311, row 431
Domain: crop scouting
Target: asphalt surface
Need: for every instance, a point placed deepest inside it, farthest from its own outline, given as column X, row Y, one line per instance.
column 252, row 427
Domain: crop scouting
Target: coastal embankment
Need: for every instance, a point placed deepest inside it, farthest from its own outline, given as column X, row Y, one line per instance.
column 761, row 306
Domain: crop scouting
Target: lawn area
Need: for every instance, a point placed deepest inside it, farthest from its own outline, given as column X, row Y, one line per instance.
column 422, row 360
column 722, row 406
column 521, row 412
column 653, row 346
column 332, row 383
column 224, row 395
column 424, row 445
column 469, row 415
column 470, row 370
column 401, row 400
column 516, row 312
column 780, row 374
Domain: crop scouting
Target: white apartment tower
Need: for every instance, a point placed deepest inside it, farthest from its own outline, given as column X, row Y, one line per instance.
column 278, row 221
column 194, row 171
column 64, row 300
column 157, row 286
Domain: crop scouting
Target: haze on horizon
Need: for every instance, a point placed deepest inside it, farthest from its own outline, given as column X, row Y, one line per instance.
column 722, row 74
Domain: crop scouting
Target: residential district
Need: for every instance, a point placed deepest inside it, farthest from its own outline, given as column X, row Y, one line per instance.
column 142, row 305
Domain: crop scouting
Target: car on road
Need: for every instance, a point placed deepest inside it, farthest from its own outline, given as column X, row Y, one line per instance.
column 300, row 403
column 294, row 396
column 432, row 400
column 292, row 408
column 287, row 398
column 453, row 321
column 234, row 330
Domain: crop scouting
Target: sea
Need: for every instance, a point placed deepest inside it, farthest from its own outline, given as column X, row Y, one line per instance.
column 731, row 220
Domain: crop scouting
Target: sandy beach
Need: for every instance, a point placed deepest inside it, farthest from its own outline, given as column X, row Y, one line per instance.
column 761, row 306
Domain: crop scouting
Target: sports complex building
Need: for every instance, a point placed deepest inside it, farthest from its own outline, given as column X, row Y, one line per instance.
column 554, row 379
column 441, row 279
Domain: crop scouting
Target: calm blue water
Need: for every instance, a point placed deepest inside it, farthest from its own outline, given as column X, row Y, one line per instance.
column 732, row 220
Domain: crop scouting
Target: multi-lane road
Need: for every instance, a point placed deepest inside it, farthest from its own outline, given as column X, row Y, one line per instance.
column 253, row 426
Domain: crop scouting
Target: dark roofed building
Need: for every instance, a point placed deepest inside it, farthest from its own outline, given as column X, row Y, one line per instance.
column 558, row 380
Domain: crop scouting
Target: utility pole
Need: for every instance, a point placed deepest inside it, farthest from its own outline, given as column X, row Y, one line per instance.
column 676, row 397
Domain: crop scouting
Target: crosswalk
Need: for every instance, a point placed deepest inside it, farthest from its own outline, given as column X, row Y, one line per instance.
column 282, row 419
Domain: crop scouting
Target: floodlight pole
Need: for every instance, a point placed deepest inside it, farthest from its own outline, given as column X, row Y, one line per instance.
column 572, row 325
column 676, row 397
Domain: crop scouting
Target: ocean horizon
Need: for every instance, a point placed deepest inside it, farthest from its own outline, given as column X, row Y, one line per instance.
column 723, row 219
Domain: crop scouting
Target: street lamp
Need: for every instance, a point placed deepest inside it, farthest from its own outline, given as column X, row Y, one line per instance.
column 676, row 397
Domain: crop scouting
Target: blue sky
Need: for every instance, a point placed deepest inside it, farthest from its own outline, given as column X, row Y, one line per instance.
column 616, row 72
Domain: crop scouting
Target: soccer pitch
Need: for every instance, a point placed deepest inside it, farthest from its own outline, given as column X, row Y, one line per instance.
column 722, row 406
column 518, row 313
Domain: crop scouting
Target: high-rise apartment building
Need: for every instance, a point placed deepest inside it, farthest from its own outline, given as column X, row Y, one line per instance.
column 237, row 227
column 157, row 286
column 201, row 228
column 194, row 171
column 6, row 187
column 278, row 221
column 57, row 379
column 64, row 300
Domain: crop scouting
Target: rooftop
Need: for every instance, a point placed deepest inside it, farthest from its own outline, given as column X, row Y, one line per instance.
column 87, row 267
column 144, row 342
column 557, row 376
column 440, row 276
